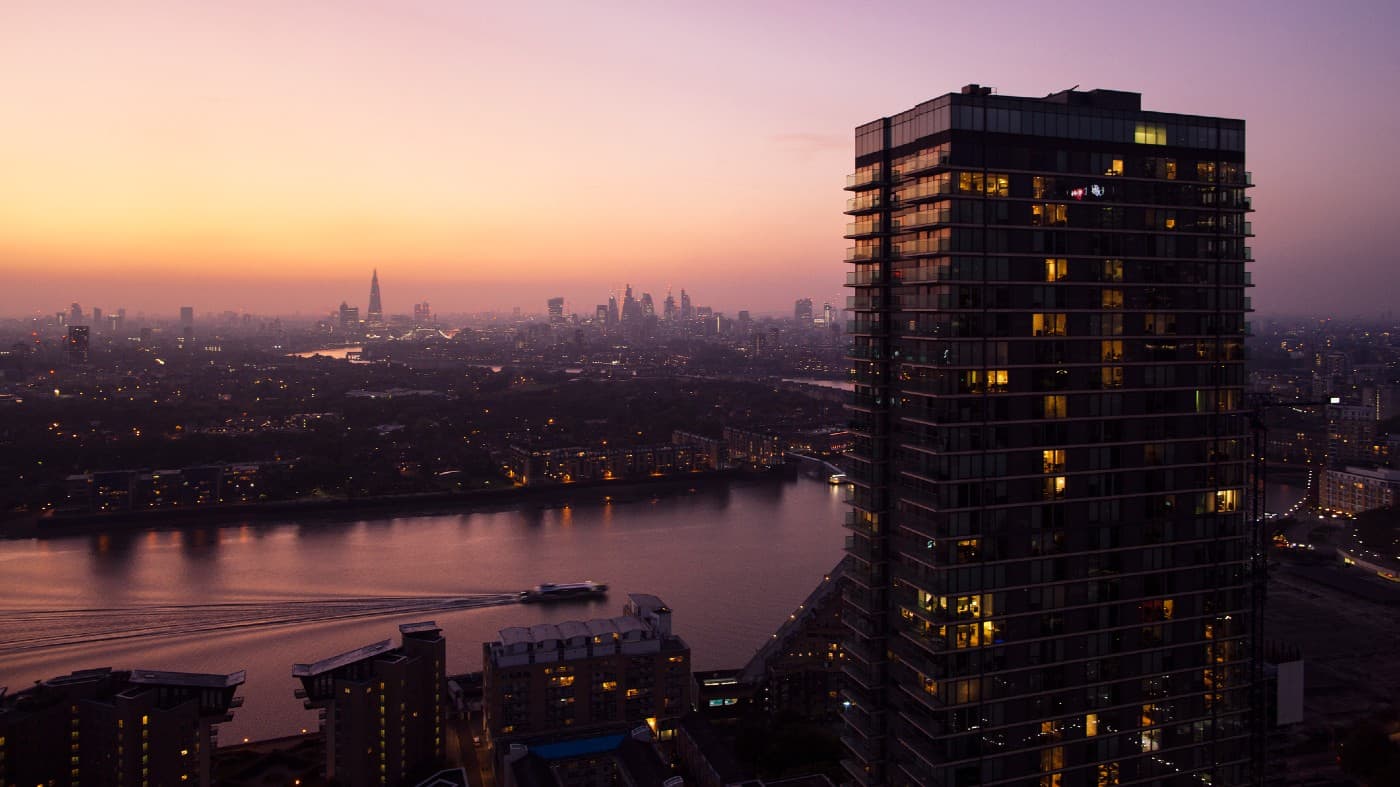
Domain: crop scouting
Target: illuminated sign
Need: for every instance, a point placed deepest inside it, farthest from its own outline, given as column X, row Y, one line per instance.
column 1096, row 191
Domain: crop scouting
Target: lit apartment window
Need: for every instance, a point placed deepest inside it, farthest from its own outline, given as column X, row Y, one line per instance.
column 1056, row 269
column 1047, row 325
column 1052, row 460
column 1150, row 134
column 1055, row 406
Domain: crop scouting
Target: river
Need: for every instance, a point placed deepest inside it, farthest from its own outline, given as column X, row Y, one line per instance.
column 732, row 562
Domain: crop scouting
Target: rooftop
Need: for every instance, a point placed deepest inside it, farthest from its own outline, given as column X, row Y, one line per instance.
column 344, row 659
column 190, row 679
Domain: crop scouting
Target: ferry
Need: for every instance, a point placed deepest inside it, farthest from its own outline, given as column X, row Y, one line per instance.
column 550, row 591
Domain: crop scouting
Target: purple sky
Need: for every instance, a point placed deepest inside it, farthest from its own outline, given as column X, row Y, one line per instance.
column 264, row 156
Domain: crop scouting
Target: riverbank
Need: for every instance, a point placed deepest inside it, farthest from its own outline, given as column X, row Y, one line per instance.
column 426, row 504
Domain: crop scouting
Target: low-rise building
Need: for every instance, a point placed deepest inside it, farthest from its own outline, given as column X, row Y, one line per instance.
column 587, row 677
column 1351, row 490
column 104, row 726
column 537, row 466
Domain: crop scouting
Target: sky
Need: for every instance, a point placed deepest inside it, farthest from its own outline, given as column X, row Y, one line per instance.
column 266, row 155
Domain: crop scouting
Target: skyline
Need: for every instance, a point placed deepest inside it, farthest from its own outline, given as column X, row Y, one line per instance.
column 162, row 154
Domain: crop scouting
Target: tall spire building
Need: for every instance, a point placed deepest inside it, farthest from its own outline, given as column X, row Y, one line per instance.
column 1055, row 583
column 376, row 310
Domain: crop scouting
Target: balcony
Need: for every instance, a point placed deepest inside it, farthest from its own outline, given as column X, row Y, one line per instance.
column 868, row 301
column 1248, row 179
column 863, row 278
column 923, row 163
column 863, row 229
column 915, row 248
column 862, row 253
column 1249, row 229
column 864, row 328
column 1248, row 254
column 860, row 747
column 860, row 676
column 865, row 203
column 865, row 178
column 929, row 642
column 857, row 772
column 867, row 550
column 920, row 219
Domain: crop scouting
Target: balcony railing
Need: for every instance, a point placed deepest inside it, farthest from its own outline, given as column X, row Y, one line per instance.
column 864, row 202
column 919, row 219
column 914, row 248
column 923, row 162
column 863, row 278
column 865, row 177
column 862, row 253
column 858, row 229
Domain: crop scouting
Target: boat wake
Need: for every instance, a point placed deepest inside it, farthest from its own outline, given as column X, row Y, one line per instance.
column 29, row 630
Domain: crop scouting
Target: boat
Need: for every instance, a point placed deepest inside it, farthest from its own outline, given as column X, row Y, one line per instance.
column 550, row 591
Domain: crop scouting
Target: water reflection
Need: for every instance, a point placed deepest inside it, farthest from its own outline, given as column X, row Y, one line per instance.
column 711, row 554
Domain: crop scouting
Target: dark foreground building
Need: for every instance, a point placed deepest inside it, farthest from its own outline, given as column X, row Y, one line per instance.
column 549, row 683
column 105, row 727
column 383, row 708
column 1053, row 563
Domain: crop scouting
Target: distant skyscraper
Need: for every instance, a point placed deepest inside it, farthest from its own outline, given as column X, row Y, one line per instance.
column 648, row 305
column 687, row 310
column 349, row 316
column 187, row 326
column 1054, row 582
column 802, row 311
column 828, row 315
column 75, row 314
column 97, row 324
column 613, row 315
column 556, row 311
column 600, row 314
column 77, row 343
column 422, row 313
column 376, row 308
column 669, row 311
column 631, row 309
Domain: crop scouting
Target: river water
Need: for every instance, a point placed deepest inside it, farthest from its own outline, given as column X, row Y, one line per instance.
column 733, row 562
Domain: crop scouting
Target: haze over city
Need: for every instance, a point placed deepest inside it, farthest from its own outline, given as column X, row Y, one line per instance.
column 266, row 156
column 787, row 394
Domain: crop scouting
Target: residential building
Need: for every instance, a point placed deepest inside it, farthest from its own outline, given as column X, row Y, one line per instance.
column 382, row 708
column 106, row 727
column 574, row 464
column 1352, row 490
column 1053, row 581
column 579, row 678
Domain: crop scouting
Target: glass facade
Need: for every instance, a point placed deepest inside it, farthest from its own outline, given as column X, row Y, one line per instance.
column 1054, row 564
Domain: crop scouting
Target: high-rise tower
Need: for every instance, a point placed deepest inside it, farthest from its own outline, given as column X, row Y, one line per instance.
column 376, row 309
column 1053, row 563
